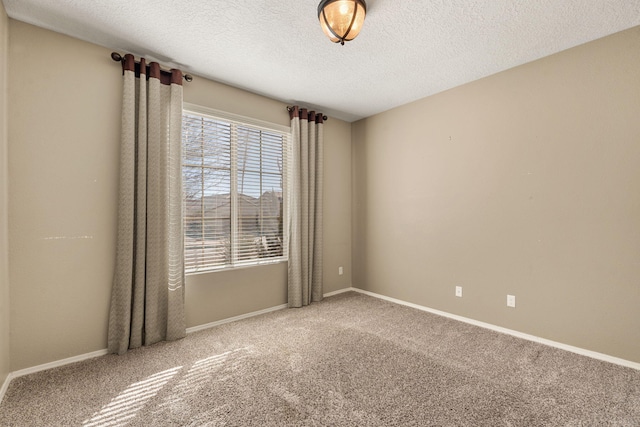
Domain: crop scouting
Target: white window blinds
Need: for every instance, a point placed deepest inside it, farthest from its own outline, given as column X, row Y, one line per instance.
column 234, row 192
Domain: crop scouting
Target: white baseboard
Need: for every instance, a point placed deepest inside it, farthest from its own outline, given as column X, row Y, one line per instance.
column 46, row 366
column 566, row 347
column 339, row 291
column 5, row 386
column 254, row 313
column 235, row 318
column 59, row 363
column 98, row 353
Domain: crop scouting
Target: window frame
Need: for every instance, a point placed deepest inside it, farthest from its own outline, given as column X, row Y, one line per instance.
column 236, row 120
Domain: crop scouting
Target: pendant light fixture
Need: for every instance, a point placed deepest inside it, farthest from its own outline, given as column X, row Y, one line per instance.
column 341, row 20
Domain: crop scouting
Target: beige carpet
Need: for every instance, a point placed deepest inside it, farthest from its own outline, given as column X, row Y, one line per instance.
column 351, row 360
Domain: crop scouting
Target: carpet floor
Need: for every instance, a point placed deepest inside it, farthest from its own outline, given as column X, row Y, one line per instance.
column 351, row 360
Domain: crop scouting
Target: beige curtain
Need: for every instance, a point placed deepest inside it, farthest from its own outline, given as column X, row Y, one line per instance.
column 147, row 300
column 305, row 208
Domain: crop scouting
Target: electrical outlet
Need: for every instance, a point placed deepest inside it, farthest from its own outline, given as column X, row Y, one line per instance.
column 459, row 291
column 340, row 271
column 511, row 301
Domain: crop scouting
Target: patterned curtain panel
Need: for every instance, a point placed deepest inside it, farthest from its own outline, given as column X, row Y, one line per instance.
column 147, row 300
column 305, row 208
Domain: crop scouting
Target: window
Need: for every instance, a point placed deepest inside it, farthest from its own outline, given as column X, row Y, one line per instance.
column 234, row 172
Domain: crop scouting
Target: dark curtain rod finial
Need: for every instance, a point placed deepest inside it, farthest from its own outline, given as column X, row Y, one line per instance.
column 119, row 58
column 289, row 108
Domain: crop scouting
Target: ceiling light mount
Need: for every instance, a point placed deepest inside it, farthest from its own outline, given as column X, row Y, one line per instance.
column 341, row 20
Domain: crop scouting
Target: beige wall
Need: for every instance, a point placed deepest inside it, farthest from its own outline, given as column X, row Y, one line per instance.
column 4, row 188
column 337, row 205
column 526, row 182
column 64, row 133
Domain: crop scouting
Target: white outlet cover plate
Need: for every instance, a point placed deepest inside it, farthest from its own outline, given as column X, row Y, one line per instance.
column 511, row 301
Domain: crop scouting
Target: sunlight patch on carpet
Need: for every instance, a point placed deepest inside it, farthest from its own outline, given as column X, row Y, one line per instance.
column 127, row 404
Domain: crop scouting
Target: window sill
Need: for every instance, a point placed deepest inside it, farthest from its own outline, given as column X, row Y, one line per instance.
column 236, row 267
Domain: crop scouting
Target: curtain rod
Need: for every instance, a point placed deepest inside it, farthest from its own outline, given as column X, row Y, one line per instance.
column 119, row 58
column 291, row 108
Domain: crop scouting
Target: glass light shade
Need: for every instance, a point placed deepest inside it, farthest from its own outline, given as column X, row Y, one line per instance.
column 341, row 20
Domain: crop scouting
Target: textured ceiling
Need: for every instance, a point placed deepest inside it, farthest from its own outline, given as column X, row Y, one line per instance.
column 408, row 49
